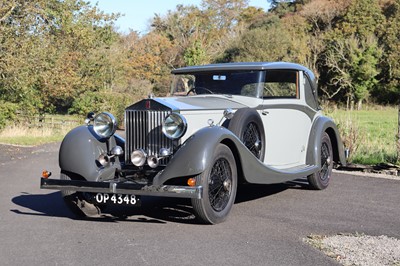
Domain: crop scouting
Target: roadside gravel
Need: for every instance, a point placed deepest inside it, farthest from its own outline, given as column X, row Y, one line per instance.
column 359, row 249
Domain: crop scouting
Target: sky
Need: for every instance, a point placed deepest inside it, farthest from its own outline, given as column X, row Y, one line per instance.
column 139, row 13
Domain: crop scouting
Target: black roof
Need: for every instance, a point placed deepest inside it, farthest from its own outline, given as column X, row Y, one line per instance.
column 250, row 66
column 244, row 66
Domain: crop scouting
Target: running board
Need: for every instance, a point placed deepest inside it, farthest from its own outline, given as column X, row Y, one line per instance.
column 298, row 168
column 267, row 174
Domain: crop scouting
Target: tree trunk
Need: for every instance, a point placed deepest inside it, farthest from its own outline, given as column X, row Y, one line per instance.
column 359, row 105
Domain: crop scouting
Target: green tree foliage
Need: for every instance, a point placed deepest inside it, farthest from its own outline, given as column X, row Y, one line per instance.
column 45, row 49
column 390, row 75
column 363, row 18
column 7, row 113
column 195, row 55
column 352, row 67
column 353, row 52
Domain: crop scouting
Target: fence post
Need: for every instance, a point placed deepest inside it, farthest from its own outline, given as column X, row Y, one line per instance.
column 398, row 135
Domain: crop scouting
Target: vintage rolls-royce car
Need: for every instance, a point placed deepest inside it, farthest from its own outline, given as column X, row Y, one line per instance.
column 223, row 125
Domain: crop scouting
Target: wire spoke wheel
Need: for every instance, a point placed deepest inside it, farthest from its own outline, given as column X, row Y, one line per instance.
column 219, row 182
column 220, row 185
column 325, row 162
column 252, row 139
column 320, row 179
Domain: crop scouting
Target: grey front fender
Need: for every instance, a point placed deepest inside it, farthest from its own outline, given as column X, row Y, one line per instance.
column 195, row 154
column 80, row 150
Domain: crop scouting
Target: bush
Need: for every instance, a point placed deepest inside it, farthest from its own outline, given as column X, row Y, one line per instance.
column 112, row 102
column 88, row 102
column 7, row 113
column 116, row 104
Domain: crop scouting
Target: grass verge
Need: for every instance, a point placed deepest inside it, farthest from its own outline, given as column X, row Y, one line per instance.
column 370, row 134
column 30, row 133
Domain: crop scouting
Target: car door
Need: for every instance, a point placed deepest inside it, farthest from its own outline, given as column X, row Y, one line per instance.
column 287, row 120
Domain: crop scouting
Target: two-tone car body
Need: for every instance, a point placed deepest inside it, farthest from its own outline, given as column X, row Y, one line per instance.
column 223, row 125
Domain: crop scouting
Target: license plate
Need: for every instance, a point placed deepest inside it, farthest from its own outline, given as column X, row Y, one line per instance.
column 118, row 199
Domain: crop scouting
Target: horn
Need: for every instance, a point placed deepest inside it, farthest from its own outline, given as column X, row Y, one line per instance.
column 152, row 161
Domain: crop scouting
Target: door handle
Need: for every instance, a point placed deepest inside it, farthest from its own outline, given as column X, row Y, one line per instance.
column 264, row 112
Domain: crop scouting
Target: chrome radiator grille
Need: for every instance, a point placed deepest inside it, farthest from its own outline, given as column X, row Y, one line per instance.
column 144, row 131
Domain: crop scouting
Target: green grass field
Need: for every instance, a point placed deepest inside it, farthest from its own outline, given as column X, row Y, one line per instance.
column 370, row 134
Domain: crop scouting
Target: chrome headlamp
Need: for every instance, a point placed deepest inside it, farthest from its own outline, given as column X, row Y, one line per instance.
column 174, row 126
column 104, row 124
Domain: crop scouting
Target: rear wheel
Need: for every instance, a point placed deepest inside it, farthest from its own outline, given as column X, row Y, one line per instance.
column 219, row 182
column 76, row 201
column 320, row 179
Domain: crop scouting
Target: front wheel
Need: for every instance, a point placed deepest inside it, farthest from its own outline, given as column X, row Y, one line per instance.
column 320, row 179
column 219, row 182
column 76, row 202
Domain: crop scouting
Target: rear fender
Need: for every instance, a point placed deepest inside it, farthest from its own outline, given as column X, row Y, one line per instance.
column 324, row 124
column 79, row 153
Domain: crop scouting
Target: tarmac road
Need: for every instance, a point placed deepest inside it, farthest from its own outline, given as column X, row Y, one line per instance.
column 267, row 224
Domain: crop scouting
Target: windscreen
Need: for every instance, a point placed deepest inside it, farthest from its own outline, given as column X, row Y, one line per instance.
column 245, row 83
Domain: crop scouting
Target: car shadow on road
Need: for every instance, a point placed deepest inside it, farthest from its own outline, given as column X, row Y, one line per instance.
column 249, row 192
column 42, row 205
column 152, row 209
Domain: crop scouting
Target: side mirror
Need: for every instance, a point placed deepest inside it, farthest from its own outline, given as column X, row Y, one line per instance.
column 228, row 113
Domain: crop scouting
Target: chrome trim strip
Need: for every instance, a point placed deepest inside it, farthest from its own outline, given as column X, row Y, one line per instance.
column 123, row 188
column 298, row 107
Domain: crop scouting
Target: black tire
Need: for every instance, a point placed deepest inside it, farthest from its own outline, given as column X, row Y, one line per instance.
column 219, row 183
column 320, row 180
column 76, row 202
column 247, row 125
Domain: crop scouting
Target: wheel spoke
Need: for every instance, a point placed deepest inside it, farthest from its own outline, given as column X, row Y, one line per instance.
column 325, row 158
column 217, row 192
column 252, row 139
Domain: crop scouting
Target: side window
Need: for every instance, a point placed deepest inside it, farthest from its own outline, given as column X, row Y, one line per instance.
column 281, row 84
column 310, row 93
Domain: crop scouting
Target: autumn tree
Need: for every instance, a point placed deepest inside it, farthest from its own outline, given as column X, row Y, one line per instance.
column 149, row 60
column 321, row 17
column 259, row 45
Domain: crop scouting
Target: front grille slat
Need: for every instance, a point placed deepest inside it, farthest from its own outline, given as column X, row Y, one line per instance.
column 144, row 131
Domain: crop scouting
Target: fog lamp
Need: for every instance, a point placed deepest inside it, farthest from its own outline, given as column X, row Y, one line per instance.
column 138, row 157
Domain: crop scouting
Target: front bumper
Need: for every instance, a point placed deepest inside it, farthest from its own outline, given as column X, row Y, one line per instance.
column 118, row 187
